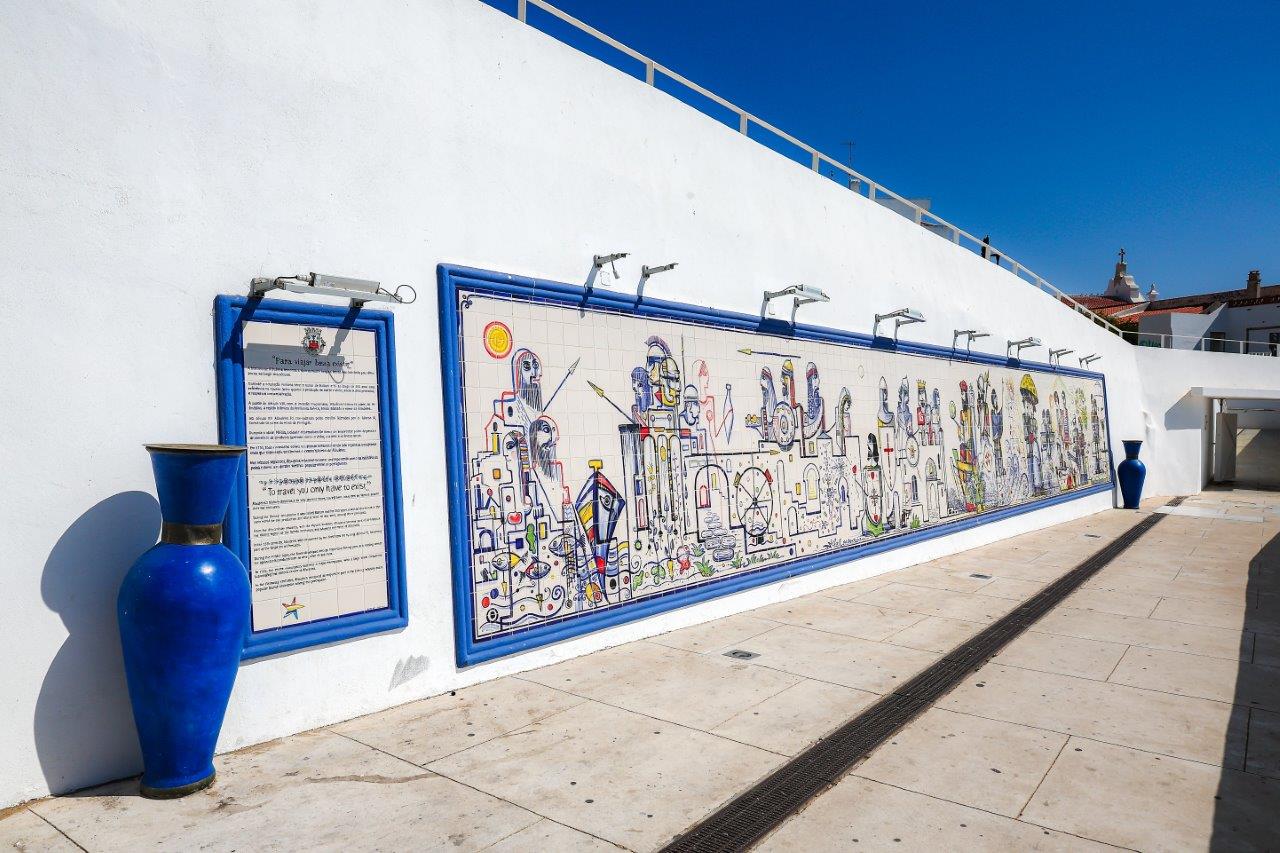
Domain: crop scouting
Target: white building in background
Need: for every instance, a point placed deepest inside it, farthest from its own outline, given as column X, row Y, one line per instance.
column 1240, row 321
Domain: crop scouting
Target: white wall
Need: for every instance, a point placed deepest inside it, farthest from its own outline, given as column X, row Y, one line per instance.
column 1256, row 414
column 1176, row 421
column 155, row 155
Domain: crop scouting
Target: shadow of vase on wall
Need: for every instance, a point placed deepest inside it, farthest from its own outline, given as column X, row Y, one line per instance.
column 183, row 610
column 1132, row 473
column 83, row 727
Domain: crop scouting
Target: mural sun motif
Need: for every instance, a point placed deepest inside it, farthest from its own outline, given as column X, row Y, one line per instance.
column 497, row 339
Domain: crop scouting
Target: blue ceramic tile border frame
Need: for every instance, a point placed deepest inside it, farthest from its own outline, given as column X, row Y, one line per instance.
column 229, row 313
column 453, row 279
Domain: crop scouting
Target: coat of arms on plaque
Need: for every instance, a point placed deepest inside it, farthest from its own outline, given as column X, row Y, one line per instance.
column 312, row 340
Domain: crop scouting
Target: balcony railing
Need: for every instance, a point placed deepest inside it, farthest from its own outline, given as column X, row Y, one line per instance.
column 654, row 73
column 1203, row 343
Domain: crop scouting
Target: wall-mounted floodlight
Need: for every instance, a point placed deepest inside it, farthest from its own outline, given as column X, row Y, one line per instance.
column 598, row 261
column 969, row 335
column 803, row 293
column 358, row 290
column 646, row 271
column 901, row 317
column 1089, row 359
column 1055, row 355
column 1020, row 346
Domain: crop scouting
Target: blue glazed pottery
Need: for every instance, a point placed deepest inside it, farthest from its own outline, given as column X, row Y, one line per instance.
column 1132, row 473
column 183, row 610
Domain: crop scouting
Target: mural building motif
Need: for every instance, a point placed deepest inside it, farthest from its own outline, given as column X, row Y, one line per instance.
column 613, row 457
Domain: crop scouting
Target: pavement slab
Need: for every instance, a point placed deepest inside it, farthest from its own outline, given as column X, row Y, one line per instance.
column 1183, row 726
column 24, row 831
column 421, row 732
column 669, row 684
column 316, row 790
column 1168, row 804
column 988, row 764
column 796, row 717
column 860, row 814
column 836, row 658
column 614, row 774
column 1063, row 655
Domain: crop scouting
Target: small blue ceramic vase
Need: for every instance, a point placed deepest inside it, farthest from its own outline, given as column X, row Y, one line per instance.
column 183, row 610
column 1132, row 474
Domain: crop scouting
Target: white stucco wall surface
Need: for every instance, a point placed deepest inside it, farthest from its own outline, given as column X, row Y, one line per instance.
column 153, row 156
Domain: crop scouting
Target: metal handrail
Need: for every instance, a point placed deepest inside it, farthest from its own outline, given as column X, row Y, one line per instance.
column 746, row 120
column 1204, row 343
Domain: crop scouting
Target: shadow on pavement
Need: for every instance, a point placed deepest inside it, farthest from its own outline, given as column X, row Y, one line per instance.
column 1244, row 802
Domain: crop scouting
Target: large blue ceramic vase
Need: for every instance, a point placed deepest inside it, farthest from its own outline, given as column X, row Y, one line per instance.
column 1132, row 473
column 183, row 610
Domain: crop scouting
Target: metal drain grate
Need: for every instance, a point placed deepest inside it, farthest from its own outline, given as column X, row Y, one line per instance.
column 750, row 816
column 741, row 654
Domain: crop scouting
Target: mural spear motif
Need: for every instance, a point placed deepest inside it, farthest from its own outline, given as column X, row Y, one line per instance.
column 600, row 393
column 572, row 368
column 749, row 351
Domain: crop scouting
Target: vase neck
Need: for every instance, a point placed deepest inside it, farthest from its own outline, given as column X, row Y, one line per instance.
column 194, row 487
column 172, row 533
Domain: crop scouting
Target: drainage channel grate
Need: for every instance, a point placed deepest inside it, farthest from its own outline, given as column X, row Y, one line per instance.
column 751, row 815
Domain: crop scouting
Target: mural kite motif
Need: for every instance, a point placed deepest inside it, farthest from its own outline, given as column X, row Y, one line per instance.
column 612, row 458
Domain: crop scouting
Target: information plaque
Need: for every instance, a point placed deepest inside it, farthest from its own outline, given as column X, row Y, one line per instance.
column 310, row 390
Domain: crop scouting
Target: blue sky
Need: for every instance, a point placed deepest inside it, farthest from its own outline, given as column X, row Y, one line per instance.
column 1063, row 130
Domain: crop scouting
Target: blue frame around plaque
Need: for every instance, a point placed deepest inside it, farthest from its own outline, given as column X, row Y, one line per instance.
column 230, row 312
column 456, row 279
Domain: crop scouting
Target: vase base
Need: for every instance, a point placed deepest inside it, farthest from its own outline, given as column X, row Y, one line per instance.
column 174, row 793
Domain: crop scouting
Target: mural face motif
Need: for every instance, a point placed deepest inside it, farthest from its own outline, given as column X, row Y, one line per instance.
column 612, row 458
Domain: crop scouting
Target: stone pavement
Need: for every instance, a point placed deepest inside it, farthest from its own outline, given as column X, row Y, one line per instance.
column 1142, row 713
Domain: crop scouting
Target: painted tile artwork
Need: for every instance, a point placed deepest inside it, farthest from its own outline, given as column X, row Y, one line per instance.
column 613, row 458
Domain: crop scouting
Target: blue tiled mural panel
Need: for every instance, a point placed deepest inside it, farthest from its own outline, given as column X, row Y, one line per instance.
column 614, row 460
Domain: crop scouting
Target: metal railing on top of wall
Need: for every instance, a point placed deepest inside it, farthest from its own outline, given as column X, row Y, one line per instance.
column 1203, row 343
column 857, row 182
